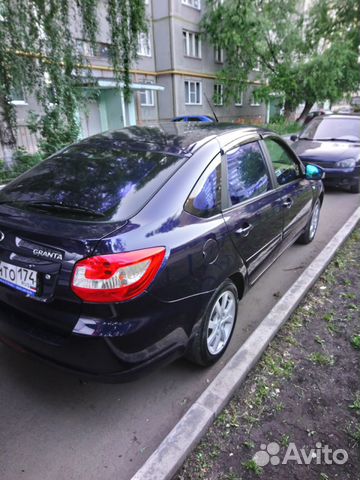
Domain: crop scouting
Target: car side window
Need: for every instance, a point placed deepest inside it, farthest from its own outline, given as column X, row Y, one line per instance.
column 248, row 176
column 205, row 198
column 286, row 168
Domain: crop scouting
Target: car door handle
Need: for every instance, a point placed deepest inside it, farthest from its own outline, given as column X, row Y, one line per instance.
column 288, row 203
column 245, row 229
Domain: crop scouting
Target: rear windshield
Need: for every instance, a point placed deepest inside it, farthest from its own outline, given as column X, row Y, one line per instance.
column 108, row 184
column 345, row 129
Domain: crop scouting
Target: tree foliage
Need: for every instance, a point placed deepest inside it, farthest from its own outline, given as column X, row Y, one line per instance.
column 305, row 56
column 39, row 54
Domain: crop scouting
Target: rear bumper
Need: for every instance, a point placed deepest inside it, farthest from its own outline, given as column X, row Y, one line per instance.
column 102, row 357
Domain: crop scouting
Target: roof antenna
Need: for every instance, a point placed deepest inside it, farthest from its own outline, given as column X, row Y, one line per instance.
column 211, row 108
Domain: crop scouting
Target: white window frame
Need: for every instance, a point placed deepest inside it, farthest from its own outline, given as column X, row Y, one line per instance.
column 144, row 44
column 240, row 96
column 193, row 83
column 218, row 93
column 189, row 41
column 21, row 100
column 192, row 3
column 149, row 98
column 253, row 102
column 219, row 55
column 257, row 67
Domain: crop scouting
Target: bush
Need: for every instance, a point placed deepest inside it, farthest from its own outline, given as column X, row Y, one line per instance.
column 23, row 161
column 283, row 127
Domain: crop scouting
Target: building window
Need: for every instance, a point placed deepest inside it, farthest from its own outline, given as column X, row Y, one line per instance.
column 254, row 101
column 147, row 98
column 192, row 44
column 239, row 98
column 98, row 50
column 218, row 97
column 192, row 93
column 257, row 66
column 219, row 55
column 144, row 47
column 192, row 3
column 17, row 96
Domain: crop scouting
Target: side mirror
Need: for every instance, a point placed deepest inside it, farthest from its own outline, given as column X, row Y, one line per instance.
column 313, row 172
column 293, row 138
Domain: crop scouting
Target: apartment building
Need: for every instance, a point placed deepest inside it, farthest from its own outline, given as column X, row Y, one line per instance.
column 175, row 74
column 186, row 67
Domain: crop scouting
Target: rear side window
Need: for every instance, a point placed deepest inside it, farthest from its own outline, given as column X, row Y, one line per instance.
column 96, row 177
column 286, row 168
column 247, row 173
column 205, row 199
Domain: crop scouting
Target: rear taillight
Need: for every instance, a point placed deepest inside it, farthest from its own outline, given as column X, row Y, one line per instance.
column 117, row 277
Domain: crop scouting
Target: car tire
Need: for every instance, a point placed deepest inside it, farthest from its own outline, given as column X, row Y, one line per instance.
column 356, row 187
column 213, row 335
column 312, row 225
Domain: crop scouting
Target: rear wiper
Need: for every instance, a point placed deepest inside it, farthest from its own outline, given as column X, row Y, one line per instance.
column 305, row 138
column 64, row 207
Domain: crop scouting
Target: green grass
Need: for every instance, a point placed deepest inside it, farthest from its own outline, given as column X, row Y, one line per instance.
column 22, row 162
column 355, row 341
column 321, row 358
column 285, row 440
column 356, row 403
column 252, row 466
column 354, row 432
column 283, row 127
column 249, row 444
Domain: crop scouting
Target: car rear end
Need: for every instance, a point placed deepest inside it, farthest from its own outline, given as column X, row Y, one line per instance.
column 60, row 298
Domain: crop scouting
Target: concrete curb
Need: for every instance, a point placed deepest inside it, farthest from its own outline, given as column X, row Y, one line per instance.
column 182, row 439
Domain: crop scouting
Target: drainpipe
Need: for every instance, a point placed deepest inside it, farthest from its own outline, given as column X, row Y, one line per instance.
column 172, row 55
column 137, row 104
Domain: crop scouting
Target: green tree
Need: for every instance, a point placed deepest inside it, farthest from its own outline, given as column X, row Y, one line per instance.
column 39, row 54
column 304, row 56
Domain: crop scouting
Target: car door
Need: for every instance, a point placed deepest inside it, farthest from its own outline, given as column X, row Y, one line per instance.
column 254, row 212
column 295, row 191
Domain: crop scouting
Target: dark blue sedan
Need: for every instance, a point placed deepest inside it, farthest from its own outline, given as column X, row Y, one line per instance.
column 132, row 248
column 332, row 142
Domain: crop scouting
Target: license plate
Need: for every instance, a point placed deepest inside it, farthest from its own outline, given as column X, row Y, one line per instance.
column 21, row 278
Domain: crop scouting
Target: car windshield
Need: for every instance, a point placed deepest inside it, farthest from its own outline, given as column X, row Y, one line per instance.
column 344, row 129
column 86, row 182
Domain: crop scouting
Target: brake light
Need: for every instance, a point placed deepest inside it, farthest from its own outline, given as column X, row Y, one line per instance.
column 117, row 277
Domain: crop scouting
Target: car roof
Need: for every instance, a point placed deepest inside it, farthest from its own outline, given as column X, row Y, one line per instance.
column 346, row 116
column 171, row 138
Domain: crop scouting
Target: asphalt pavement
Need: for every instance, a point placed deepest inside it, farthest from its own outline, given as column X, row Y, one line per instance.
column 52, row 426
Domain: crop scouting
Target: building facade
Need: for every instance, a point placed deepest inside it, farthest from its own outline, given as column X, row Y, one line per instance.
column 175, row 74
column 186, row 66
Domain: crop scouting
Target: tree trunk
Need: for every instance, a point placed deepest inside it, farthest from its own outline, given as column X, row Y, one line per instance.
column 288, row 108
column 306, row 110
column 7, row 131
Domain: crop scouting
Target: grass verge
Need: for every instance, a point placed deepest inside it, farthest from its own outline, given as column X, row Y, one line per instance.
column 303, row 394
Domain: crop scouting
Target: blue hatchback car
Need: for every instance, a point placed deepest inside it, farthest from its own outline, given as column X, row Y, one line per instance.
column 193, row 118
column 132, row 248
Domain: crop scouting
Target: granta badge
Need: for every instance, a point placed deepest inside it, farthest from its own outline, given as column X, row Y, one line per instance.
column 2, row 236
column 46, row 254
